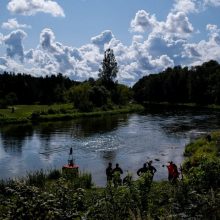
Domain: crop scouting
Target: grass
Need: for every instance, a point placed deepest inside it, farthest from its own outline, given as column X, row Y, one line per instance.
column 201, row 149
column 28, row 113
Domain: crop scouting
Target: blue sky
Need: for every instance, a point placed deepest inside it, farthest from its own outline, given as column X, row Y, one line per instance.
column 43, row 37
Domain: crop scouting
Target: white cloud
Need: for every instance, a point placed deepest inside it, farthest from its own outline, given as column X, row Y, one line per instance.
column 194, row 6
column 205, row 50
column 31, row 7
column 178, row 23
column 142, row 22
column 1, row 38
column 215, row 3
column 186, row 6
column 103, row 38
column 14, row 44
column 13, row 24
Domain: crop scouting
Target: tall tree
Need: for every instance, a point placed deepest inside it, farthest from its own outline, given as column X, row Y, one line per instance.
column 109, row 70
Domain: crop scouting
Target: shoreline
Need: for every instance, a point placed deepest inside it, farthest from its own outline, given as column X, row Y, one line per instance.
column 54, row 113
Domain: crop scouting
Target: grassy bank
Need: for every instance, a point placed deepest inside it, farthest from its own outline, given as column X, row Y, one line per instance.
column 56, row 196
column 29, row 113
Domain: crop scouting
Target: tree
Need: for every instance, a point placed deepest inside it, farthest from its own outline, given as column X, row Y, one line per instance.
column 109, row 70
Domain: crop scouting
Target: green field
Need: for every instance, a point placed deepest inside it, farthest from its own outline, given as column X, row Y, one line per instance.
column 28, row 113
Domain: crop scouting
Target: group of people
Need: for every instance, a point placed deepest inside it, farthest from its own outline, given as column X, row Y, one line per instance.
column 173, row 172
column 110, row 173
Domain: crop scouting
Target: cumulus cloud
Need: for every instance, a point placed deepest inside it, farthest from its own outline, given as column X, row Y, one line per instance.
column 186, row 6
column 194, row 6
column 178, row 23
column 14, row 44
column 31, row 7
column 142, row 22
column 103, row 38
column 13, row 24
column 205, row 50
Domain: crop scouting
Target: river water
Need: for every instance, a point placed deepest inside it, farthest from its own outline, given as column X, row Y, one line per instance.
column 127, row 139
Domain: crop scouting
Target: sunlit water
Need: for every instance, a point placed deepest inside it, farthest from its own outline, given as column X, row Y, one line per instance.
column 129, row 139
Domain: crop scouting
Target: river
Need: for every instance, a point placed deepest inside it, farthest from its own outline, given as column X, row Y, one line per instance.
column 127, row 139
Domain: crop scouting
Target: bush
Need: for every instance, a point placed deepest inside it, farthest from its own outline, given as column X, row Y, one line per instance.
column 205, row 175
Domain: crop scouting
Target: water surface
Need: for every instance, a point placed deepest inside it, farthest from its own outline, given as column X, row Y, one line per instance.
column 128, row 139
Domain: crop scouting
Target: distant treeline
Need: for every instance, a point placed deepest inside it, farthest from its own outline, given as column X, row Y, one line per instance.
column 27, row 89
column 199, row 85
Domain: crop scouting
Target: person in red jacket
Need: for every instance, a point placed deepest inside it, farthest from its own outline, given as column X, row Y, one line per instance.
column 173, row 172
column 170, row 168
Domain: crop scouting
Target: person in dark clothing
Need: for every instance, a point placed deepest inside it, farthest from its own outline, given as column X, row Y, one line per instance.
column 109, row 172
column 209, row 138
column 117, row 171
column 151, row 168
column 142, row 170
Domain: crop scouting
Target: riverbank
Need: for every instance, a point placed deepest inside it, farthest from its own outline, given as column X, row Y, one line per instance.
column 186, row 105
column 57, row 112
column 195, row 196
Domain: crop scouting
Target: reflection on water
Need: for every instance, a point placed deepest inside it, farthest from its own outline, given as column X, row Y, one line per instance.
column 129, row 140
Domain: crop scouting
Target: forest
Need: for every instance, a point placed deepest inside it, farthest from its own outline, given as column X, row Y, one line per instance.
column 199, row 85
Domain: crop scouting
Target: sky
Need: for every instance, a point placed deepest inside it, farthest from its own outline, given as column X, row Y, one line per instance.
column 44, row 37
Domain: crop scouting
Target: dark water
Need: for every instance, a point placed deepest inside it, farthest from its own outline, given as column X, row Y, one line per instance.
column 129, row 139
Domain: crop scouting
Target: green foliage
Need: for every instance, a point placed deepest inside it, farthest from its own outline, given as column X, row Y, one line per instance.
column 199, row 85
column 54, row 174
column 37, row 178
column 109, row 70
column 79, row 95
column 84, row 180
column 99, row 96
column 26, row 89
column 206, row 174
column 121, row 95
